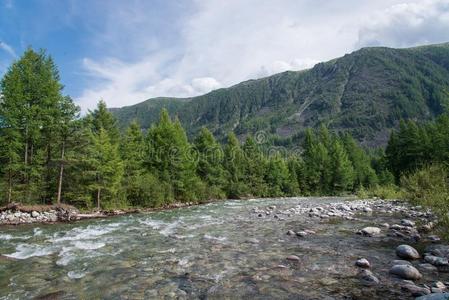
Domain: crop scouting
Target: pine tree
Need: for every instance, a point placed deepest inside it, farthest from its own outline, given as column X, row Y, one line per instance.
column 255, row 165
column 107, row 169
column 277, row 177
column 210, row 163
column 102, row 118
column 341, row 167
column 316, row 170
column 30, row 111
column 365, row 176
column 234, row 164
column 169, row 157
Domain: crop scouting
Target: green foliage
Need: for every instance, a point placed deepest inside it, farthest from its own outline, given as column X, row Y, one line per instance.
column 49, row 154
column 364, row 93
column 429, row 187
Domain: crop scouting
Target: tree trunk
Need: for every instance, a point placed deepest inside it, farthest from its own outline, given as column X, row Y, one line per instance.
column 98, row 198
column 9, row 186
column 61, row 173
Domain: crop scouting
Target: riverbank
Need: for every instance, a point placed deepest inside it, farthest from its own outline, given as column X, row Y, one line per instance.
column 18, row 214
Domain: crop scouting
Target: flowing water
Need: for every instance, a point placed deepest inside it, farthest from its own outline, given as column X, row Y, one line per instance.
column 213, row 251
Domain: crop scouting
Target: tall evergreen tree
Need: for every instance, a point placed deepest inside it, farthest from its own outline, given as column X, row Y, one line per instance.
column 255, row 164
column 169, row 156
column 107, row 169
column 210, row 163
column 341, row 168
column 30, row 113
column 234, row 164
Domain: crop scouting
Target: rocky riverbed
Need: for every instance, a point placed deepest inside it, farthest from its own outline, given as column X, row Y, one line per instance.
column 297, row 248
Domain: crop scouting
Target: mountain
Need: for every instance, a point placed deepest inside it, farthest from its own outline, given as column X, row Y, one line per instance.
column 365, row 92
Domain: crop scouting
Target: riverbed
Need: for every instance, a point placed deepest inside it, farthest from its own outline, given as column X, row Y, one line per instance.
column 234, row 249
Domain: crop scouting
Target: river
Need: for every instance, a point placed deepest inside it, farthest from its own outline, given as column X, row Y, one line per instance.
column 213, row 251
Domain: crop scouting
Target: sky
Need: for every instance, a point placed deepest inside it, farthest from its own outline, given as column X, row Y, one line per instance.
column 125, row 52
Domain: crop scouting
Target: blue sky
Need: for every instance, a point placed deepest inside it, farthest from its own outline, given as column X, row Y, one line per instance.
column 127, row 51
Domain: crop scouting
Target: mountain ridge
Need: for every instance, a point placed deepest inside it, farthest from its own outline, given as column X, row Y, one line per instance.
column 365, row 92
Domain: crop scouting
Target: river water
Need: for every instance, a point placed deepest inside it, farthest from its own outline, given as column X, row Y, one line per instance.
column 214, row 251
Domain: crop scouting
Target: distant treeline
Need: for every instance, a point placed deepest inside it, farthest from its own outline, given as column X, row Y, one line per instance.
column 49, row 154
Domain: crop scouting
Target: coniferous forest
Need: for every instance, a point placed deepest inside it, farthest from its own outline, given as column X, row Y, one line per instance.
column 50, row 153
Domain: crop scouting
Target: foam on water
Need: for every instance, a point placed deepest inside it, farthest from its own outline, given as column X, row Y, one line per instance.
column 215, row 238
column 88, row 245
column 24, row 251
column 76, row 274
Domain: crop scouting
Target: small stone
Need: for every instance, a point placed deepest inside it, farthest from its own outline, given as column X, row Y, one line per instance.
column 438, row 296
column 367, row 209
column 35, row 214
column 370, row 231
column 440, row 285
column 363, row 263
column 415, row 290
column 368, row 278
column 406, row 272
column 407, row 223
column 400, row 262
column 293, row 258
column 290, row 232
column 436, row 260
column 429, row 268
column 434, row 238
column 407, row 252
column 301, row 234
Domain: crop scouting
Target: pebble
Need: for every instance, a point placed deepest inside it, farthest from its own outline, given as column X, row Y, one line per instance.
column 407, row 252
column 363, row 263
column 400, row 262
column 293, row 258
column 407, row 223
column 406, row 272
column 370, row 231
column 290, row 232
column 436, row 260
column 438, row 296
column 415, row 290
column 367, row 277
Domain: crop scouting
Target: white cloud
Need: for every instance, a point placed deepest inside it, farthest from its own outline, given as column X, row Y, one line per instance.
column 408, row 24
column 220, row 43
column 4, row 46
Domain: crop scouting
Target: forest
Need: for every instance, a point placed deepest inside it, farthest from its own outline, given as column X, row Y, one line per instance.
column 50, row 153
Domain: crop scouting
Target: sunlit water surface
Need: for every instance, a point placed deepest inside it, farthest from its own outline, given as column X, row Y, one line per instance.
column 213, row 251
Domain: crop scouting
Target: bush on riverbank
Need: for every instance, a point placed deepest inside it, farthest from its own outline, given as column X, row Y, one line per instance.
column 429, row 187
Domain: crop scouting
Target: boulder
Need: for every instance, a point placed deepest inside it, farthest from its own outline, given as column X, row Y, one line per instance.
column 436, row 260
column 370, row 231
column 363, row 263
column 437, row 296
column 407, row 252
column 367, row 278
column 406, row 272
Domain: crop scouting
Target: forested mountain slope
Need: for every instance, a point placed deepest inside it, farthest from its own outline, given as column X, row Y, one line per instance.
column 366, row 93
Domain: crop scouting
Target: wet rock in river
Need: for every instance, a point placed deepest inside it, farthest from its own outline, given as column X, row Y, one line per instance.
column 436, row 260
column 407, row 252
column 407, row 223
column 293, row 258
column 415, row 290
column 406, row 272
column 400, row 262
column 438, row 296
column 367, row 277
column 427, row 268
column 363, row 263
column 291, row 232
column 370, row 231
column 301, row 234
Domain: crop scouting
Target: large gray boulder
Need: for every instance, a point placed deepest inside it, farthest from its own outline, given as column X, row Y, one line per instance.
column 406, row 272
column 407, row 252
